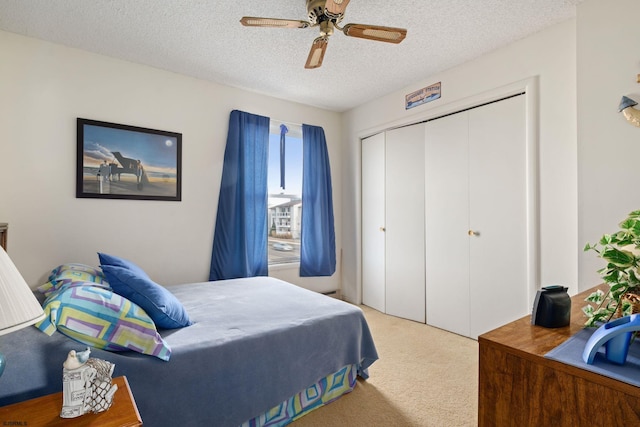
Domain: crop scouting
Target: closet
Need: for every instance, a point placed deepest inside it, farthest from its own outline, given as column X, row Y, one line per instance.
column 472, row 203
column 393, row 222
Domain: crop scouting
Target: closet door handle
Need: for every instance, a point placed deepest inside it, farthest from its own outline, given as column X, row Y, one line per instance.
column 473, row 233
column 383, row 229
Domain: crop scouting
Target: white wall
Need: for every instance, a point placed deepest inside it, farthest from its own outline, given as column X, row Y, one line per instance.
column 548, row 57
column 608, row 147
column 44, row 87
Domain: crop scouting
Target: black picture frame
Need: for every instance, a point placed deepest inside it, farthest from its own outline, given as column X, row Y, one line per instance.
column 108, row 159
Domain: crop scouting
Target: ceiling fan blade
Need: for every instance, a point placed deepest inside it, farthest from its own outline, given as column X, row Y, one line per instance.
column 250, row 21
column 375, row 32
column 335, row 8
column 316, row 54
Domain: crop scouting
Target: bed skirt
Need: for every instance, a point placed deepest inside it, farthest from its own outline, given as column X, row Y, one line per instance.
column 323, row 392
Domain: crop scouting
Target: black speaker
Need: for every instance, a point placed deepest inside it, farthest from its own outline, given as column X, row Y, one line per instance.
column 552, row 307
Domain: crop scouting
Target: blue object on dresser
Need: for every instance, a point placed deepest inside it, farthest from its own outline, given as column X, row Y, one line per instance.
column 615, row 336
column 570, row 352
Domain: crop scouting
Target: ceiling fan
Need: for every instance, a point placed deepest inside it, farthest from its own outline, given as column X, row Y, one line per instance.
column 327, row 14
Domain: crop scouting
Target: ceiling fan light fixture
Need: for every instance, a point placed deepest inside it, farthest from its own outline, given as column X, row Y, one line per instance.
column 326, row 28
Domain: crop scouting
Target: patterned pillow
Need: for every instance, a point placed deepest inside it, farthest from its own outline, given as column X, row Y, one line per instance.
column 50, row 288
column 67, row 273
column 98, row 317
column 74, row 267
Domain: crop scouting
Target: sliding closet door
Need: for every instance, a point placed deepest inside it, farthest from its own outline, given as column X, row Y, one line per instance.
column 404, row 183
column 498, row 214
column 447, row 221
column 373, row 222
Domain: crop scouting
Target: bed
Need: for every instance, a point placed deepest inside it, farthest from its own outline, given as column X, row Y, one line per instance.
column 260, row 351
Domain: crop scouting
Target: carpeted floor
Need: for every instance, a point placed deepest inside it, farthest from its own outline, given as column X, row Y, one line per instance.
column 424, row 377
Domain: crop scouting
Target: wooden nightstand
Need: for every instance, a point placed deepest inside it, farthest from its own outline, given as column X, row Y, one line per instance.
column 45, row 411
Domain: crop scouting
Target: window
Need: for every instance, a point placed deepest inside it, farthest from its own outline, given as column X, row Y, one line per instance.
column 242, row 254
column 284, row 204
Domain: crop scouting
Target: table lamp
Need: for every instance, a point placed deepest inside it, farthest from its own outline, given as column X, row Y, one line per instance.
column 19, row 308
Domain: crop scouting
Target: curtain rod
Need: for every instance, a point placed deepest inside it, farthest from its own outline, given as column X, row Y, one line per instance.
column 286, row 123
column 295, row 129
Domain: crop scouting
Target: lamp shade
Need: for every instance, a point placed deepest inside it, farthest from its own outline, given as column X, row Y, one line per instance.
column 19, row 308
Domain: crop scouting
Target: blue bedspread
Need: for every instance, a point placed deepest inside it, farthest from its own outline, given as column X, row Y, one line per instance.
column 255, row 343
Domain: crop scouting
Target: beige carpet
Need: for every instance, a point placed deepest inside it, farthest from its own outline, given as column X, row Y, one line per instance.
column 424, row 377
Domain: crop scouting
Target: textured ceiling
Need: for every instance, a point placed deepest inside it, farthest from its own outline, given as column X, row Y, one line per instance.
column 204, row 39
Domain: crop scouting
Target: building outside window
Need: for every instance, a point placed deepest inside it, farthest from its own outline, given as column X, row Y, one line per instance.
column 284, row 204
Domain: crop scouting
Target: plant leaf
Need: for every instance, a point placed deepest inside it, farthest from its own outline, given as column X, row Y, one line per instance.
column 596, row 297
column 605, row 239
column 618, row 257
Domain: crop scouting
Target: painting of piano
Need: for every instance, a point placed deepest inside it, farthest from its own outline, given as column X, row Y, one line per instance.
column 116, row 161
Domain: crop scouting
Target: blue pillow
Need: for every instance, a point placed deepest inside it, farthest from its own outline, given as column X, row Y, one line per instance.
column 106, row 259
column 160, row 304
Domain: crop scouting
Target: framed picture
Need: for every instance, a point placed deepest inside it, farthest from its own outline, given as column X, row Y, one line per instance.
column 126, row 162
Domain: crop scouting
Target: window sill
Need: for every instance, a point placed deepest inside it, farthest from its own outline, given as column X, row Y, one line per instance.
column 284, row 266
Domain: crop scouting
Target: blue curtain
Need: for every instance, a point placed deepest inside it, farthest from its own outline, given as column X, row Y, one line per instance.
column 240, row 238
column 317, row 236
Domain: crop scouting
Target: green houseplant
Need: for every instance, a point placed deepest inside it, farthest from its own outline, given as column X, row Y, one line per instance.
column 621, row 252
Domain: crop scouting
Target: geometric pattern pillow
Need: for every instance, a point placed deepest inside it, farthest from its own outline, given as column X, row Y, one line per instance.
column 74, row 267
column 103, row 319
column 51, row 288
column 66, row 273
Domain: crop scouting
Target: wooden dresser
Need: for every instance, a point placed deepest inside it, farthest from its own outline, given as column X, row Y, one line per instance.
column 519, row 387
